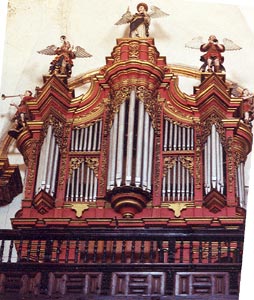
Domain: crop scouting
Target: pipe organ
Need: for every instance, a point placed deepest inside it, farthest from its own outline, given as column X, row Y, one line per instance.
column 133, row 156
column 134, row 146
column 131, row 146
column 214, row 163
column 48, row 164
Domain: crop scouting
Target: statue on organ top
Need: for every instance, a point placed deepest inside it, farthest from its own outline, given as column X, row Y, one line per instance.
column 63, row 62
column 212, row 59
column 140, row 21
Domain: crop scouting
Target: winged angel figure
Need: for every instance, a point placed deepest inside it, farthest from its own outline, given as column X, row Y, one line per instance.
column 140, row 21
column 212, row 59
column 64, row 55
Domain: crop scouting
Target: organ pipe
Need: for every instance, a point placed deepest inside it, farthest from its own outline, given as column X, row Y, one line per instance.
column 120, row 146
column 82, row 184
column 213, row 162
column 130, row 138
column 88, row 138
column 178, row 183
column 177, row 137
column 150, row 159
column 241, row 185
column 113, row 147
column 139, row 143
column 48, row 164
column 132, row 142
column 145, row 151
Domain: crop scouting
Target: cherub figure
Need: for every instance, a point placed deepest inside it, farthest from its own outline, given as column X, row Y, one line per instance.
column 212, row 59
column 22, row 114
column 140, row 21
column 247, row 106
column 64, row 55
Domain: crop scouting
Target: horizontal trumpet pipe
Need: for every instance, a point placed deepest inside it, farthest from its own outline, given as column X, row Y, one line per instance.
column 13, row 96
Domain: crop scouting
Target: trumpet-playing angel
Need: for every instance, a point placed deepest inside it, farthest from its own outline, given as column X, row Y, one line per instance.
column 212, row 59
column 64, row 55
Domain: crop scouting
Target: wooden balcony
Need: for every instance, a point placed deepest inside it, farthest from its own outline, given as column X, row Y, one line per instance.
column 137, row 263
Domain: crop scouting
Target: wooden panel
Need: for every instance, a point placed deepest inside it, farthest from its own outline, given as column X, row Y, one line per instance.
column 201, row 283
column 138, row 283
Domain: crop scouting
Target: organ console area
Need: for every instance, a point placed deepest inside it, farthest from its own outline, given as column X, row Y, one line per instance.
column 134, row 147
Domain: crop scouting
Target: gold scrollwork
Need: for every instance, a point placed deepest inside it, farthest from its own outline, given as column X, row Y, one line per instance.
column 213, row 119
column 169, row 162
column 134, row 50
column 117, row 55
column 93, row 163
column 75, row 164
column 151, row 55
column 187, row 162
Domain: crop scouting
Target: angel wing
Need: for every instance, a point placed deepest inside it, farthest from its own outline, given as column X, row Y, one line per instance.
column 126, row 17
column 195, row 43
column 50, row 50
column 157, row 12
column 230, row 45
column 81, row 52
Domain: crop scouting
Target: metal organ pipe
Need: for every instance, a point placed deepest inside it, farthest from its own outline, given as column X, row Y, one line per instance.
column 87, row 139
column 241, row 185
column 178, row 183
column 82, row 182
column 45, row 167
column 139, row 143
column 213, row 162
column 177, row 137
column 130, row 138
column 133, row 146
column 145, row 151
column 55, row 168
column 120, row 145
column 150, row 158
column 48, row 164
column 221, row 169
column 113, row 147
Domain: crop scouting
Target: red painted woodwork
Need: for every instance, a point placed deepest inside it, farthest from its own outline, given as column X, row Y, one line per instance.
column 133, row 63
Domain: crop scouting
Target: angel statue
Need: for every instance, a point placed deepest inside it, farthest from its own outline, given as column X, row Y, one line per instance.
column 212, row 59
column 64, row 55
column 140, row 21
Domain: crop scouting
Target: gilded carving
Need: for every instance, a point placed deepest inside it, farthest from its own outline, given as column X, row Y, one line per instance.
column 75, row 164
column 117, row 55
column 31, row 163
column 213, row 119
column 93, row 163
column 234, row 158
column 177, row 207
column 169, row 162
column 187, row 162
column 151, row 55
column 198, row 156
column 151, row 105
column 134, row 50
column 63, row 151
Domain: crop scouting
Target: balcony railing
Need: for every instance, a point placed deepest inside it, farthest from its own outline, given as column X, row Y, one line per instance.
column 106, row 253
